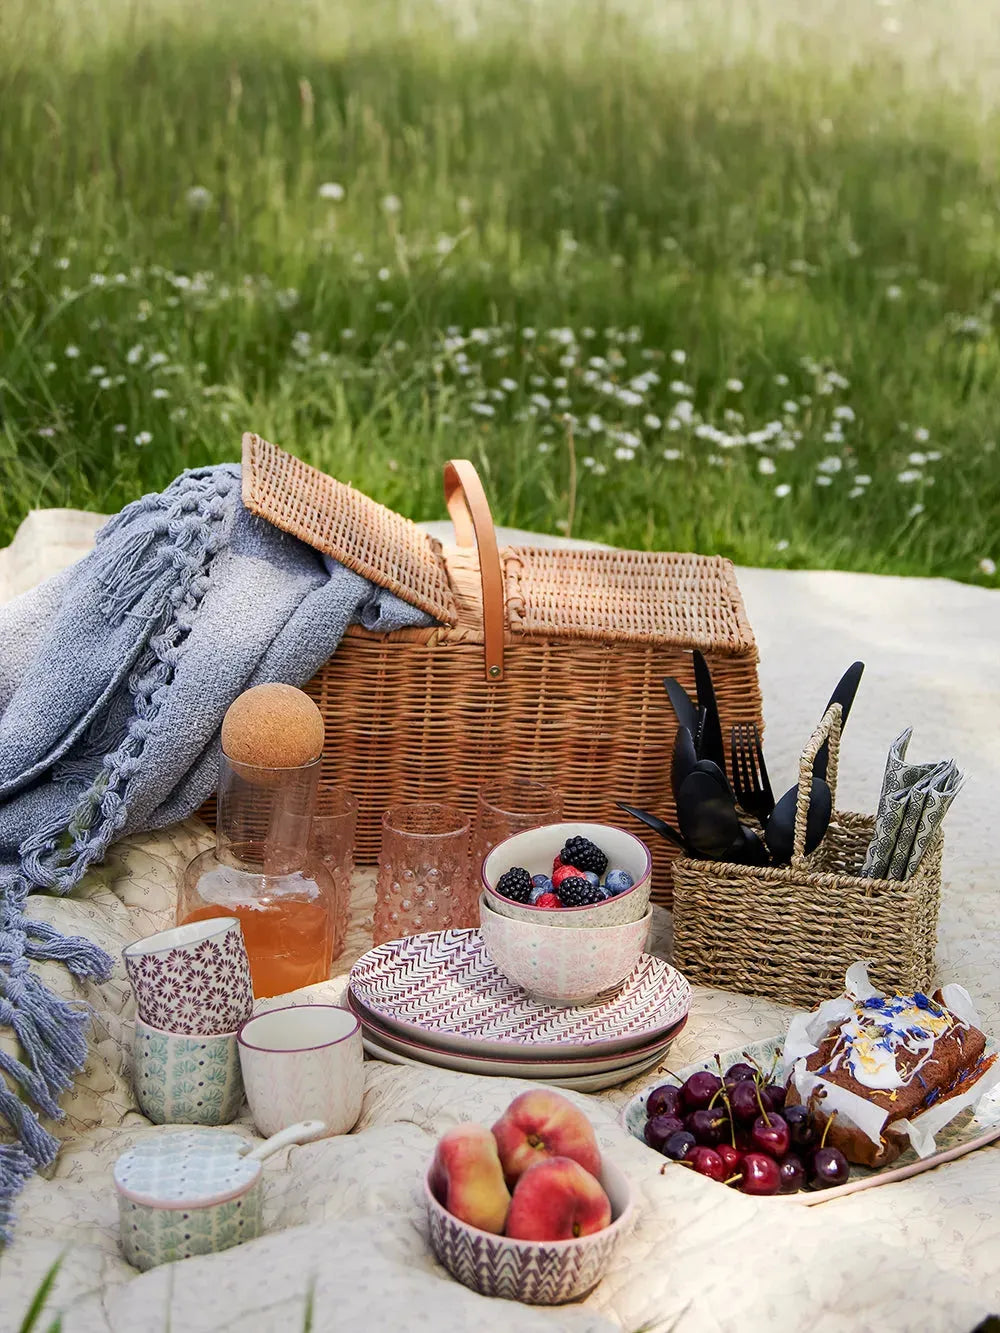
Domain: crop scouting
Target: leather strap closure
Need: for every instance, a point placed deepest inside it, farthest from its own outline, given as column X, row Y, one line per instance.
column 470, row 513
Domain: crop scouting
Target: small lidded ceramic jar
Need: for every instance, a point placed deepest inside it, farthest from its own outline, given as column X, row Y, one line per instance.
column 194, row 1191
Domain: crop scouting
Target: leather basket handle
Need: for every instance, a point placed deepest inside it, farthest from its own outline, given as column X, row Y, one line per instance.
column 470, row 513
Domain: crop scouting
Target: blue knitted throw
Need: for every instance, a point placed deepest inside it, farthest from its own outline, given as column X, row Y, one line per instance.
column 114, row 679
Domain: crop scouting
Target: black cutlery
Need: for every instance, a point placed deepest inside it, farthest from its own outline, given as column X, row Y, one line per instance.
column 711, row 737
column 680, row 701
column 658, row 826
column 684, row 761
column 847, row 688
column 749, row 772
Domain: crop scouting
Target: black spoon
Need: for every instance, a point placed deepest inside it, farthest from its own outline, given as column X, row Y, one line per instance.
column 707, row 816
column 658, row 826
column 780, row 832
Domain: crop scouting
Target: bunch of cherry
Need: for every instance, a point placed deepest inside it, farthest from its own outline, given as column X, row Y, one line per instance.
column 737, row 1129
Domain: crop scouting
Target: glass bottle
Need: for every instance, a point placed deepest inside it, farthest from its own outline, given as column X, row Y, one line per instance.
column 262, row 871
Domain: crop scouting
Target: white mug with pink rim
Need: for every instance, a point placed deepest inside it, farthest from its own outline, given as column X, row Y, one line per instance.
column 303, row 1062
column 193, row 979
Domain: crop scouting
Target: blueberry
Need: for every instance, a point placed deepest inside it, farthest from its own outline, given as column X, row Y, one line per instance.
column 617, row 881
column 591, row 878
column 541, row 884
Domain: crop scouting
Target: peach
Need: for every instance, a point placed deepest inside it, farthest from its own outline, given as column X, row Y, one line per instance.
column 467, row 1178
column 556, row 1199
column 541, row 1124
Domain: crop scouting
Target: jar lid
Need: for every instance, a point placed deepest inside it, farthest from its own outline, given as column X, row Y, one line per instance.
column 186, row 1169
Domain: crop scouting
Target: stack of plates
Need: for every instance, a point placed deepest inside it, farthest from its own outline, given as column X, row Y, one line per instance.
column 439, row 999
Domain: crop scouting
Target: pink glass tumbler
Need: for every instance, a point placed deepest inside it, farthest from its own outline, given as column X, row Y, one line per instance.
column 425, row 877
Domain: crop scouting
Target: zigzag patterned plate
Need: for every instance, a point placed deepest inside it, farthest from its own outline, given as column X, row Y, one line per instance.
column 443, row 988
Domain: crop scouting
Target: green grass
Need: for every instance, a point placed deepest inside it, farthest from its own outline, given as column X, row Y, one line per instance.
column 793, row 197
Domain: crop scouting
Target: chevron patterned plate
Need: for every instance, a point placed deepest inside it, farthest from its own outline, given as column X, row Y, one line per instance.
column 442, row 988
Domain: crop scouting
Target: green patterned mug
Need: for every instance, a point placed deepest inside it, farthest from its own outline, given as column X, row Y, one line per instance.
column 191, row 1080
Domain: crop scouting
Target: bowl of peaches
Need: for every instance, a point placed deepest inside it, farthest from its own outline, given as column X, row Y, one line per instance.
column 528, row 1210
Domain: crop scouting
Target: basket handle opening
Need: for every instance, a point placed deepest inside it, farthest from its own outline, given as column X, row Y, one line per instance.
column 828, row 729
column 469, row 511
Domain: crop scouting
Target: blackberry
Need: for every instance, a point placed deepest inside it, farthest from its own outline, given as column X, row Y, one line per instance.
column 584, row 855
column 515, row 884
column 578, row 893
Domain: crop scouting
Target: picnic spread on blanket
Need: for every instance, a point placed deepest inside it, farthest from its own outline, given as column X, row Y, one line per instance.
column 541, row 752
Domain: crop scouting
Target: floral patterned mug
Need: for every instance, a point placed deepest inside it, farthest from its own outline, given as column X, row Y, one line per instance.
column 193, row 979
column 186, row 1080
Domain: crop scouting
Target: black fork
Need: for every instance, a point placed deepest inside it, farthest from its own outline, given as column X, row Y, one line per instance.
column 749, row 772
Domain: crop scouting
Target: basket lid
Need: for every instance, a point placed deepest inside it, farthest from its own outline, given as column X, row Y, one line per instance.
column 346, row 524
column 686, row 601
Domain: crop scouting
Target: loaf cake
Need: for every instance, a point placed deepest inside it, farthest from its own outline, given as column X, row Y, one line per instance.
column 879, row 1061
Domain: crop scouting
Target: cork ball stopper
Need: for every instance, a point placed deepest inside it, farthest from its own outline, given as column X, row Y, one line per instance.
column 273, row 726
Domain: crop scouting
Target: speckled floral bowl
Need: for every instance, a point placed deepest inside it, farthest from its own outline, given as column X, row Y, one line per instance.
column 562, row 966
column 535, row 850
column 533, row 1271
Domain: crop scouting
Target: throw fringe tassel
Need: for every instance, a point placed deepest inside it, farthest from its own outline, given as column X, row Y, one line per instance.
column 16, row 1168
column 127, row 575
column 84, row 959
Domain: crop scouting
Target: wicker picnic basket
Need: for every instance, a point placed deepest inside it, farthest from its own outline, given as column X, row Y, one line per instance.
column 791, row 932
column 544, row 664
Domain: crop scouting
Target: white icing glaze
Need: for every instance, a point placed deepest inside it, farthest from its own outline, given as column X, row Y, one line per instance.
column 874, row 1030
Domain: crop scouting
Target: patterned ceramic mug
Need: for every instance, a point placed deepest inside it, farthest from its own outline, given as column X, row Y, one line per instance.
column 186, row 1080
column 303, row 1062
column 192, row 979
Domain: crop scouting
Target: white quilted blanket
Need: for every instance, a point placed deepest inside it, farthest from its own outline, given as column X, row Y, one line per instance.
column 346, row 1245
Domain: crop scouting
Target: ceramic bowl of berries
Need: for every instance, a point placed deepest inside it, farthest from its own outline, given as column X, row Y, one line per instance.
column 573, row 876
column 562, row 966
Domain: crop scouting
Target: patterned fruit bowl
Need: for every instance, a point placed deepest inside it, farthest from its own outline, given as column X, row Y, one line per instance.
column 535, row 1272
column 562, row 966
column 607, row 883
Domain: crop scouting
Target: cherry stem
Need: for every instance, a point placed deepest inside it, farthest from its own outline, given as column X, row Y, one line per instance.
column 826, row 1128
column 733, row 1180
column 760, row 1103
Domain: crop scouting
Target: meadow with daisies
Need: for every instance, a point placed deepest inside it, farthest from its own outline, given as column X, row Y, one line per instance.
column 714, row 276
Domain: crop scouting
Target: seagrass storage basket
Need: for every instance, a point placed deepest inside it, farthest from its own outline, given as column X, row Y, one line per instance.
column 544, row 664
column 791, row 932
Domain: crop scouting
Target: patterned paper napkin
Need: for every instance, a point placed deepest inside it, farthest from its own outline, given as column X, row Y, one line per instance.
column 914, row 800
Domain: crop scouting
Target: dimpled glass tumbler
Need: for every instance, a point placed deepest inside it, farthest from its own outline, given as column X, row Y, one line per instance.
column 424, row 872
column 331, row 840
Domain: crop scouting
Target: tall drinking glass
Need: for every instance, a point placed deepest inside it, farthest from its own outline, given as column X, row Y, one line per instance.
column 509, row 806
column 331, row 841
column 424, row 872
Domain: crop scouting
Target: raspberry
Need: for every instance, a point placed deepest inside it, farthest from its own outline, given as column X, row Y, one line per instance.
column 515, row 884
column 564, row 872
column 548, row 900
column 585, row 855
column 578, row 893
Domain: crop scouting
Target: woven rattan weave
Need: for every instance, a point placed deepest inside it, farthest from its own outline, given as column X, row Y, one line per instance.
column 575, row 697
column 791, row 932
